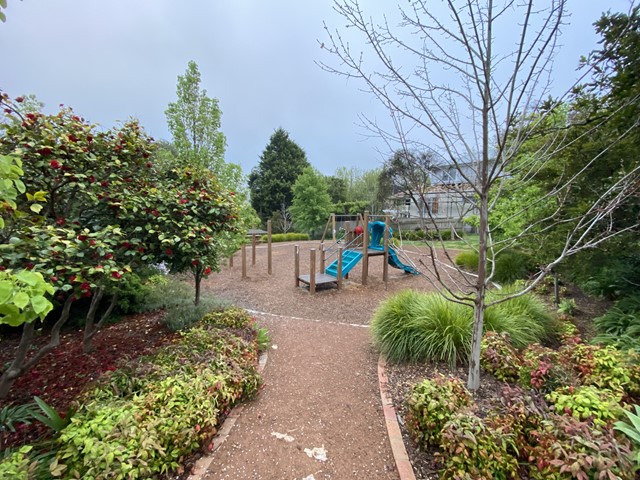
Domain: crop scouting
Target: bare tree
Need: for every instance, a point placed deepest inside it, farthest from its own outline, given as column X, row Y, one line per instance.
column 286, row 222
column 467, row 83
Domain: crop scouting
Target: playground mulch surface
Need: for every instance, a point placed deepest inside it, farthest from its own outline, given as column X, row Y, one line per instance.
column 321, row 383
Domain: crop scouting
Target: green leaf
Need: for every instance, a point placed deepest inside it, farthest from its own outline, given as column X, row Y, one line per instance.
column 6, row 291
column 36, row 207
column 21, row 300
column 40, row 304
column 30, row 278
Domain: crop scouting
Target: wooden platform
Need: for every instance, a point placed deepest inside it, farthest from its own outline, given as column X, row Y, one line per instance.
column 370, row 252
column 321, row 279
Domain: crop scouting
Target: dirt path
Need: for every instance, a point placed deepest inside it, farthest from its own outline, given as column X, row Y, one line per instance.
column 321, row 381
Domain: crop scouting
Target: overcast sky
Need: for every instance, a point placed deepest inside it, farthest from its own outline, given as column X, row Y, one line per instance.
column 110, row 60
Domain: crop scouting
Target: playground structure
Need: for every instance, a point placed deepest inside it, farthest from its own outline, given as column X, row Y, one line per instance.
column 255, row 234
column 351, row 246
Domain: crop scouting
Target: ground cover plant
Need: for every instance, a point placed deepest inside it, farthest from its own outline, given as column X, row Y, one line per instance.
column 561, row 413
column 144, row 417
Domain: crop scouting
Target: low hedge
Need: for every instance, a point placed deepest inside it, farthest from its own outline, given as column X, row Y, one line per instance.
column 286, row 237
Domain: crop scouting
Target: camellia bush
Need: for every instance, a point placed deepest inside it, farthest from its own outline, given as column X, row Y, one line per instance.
column 85, row 208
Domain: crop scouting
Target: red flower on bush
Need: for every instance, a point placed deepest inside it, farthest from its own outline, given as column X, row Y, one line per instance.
column 82, row 238
column 207, row 270
column 19, row 99
column 55, row 164
column 72, row 278
column 155, row 213
column 195, row 262
column 60, row 221
column 116, row 274
column 109, row 256
column 169, row 251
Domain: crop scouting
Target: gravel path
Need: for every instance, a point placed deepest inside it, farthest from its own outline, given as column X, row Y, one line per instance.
column 321, row 384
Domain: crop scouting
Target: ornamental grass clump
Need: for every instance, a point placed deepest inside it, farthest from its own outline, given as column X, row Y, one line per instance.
column 415, row 326
column 431, row 404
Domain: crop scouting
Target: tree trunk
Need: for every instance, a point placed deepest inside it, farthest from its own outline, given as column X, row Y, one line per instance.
column 20, row 365
column 198, row 278
column 90, row 327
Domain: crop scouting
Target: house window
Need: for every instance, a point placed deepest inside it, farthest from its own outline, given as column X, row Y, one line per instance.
column 433, row 207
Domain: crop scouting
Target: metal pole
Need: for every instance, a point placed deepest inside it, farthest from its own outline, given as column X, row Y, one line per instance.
column 322, row 252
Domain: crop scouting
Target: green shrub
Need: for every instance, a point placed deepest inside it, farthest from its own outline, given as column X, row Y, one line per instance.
column 468, row 260
column 263, row 339
column 543, row 370
column 16, row 465
column 632, row 431
column 587, row 402
column 184, row 316
column 510, row 265
column 567, row 306
column 475, row 451
column 161, row 295
column 571, row 449
column 231, row 317
column 141, row 421
column 415, row 326
column 620, row 326
column 286, row 237
column 431, row 404
column 498, row 357
column 560, row 447
column 604, row 367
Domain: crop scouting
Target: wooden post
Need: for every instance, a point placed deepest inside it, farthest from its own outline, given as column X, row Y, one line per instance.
column 365, row 248
column 312, row 271
column 231, row 260
column 322, row 252
column 269, row 264
column 333, row 226
column 340, row 250
column 348, row 233
column 253, row 249
column 296, row 252
column 385, row 267
column 244, row 261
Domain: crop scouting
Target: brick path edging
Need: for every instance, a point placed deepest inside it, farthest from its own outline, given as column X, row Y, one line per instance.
column 403, row 464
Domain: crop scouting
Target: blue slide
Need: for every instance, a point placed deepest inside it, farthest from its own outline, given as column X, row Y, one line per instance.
column 376, row 232
column 396, row 263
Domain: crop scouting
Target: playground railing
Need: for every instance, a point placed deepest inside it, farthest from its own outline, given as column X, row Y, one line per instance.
column 333, row 250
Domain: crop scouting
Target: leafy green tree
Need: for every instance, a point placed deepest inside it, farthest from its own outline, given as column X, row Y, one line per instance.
column 271, row 181
column 337, row 188
column 194, row 120
column 361, row 186
column 311, row 201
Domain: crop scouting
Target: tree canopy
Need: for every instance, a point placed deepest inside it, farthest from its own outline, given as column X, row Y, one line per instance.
column 271, row 181
column 311, row 201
